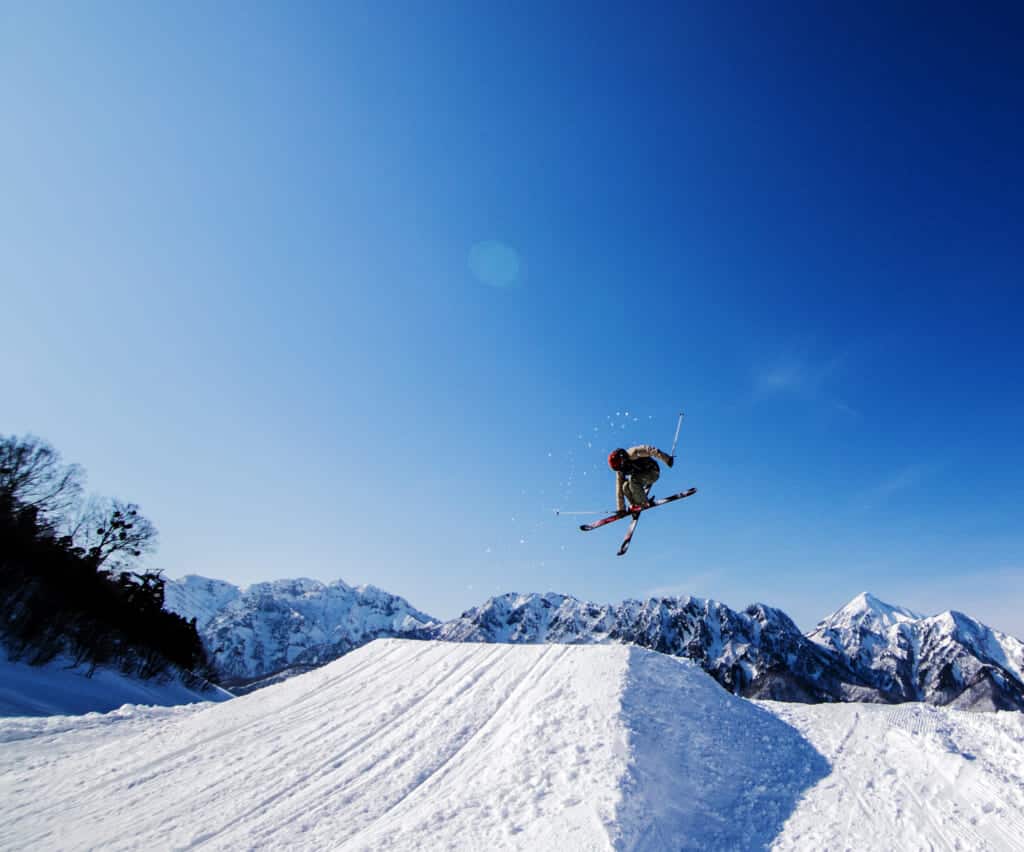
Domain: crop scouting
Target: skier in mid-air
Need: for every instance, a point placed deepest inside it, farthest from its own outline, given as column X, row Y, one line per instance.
column 635, row 472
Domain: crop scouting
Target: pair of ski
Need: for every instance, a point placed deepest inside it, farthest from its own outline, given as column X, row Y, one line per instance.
column 618, row 516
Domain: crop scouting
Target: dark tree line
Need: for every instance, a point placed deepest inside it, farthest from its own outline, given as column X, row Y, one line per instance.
column 70, row 576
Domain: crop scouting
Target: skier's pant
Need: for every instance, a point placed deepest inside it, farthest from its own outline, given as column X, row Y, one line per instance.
column 636, row 487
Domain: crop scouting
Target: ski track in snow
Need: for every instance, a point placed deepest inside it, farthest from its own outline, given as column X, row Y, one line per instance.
column 910, row 777
column 410, row 745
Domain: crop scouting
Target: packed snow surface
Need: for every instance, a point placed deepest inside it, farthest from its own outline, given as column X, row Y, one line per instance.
column 436, row 745
column 910, row 777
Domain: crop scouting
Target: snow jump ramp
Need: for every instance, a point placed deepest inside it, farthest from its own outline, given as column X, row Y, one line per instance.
column 424, row 745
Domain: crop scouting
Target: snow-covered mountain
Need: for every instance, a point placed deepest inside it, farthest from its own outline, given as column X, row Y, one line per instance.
column 758, row 653
column 867, row 651
column 199, row 597
column 289, row 625
column 943, row 659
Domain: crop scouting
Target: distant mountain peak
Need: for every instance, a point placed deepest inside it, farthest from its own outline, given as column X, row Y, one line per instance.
column 947, row 658
column 867, row 602
column 865, row 611
column 292, row 623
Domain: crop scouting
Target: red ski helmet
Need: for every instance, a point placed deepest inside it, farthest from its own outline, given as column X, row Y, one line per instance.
column 616, row 458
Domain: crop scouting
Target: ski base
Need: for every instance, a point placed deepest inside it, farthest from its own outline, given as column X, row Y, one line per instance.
column 629, row 534
column 618, row 516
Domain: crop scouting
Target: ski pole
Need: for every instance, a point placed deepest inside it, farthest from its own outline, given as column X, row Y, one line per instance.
column 675, row 440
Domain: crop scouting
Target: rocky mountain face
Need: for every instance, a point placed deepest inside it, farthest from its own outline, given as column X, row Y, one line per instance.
column 199, row 597
column 759, row 653
column 866, row 651
column 291, row 625
column 947, row 659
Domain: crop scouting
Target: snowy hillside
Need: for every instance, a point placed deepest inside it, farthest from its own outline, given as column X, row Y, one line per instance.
column 943, row 659
column 61, row 687
column 250, row 633
column 425, row 745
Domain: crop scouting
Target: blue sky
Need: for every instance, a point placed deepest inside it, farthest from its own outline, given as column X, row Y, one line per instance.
column 365, row 291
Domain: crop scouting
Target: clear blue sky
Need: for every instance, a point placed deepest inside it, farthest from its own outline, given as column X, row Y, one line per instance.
column 365, row 291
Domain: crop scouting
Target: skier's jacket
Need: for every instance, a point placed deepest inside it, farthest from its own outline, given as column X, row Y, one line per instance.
column 640, row 464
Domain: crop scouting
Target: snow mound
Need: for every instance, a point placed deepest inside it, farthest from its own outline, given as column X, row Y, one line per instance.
column 423, row 745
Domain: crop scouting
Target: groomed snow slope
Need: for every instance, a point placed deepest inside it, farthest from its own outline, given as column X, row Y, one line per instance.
column 910, row 777
column 427, row 745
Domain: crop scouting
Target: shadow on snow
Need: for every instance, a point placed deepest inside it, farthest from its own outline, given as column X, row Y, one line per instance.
column 709, row 770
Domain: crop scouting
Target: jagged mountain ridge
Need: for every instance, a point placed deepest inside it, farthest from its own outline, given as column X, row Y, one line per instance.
column 290, row 625
column 866, row 651
column 947, row 659
column 759, row 653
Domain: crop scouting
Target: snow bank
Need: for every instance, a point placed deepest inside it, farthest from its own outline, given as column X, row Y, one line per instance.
column 62, row 688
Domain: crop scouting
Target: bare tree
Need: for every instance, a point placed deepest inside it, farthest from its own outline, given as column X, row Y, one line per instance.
column 113, row 534
column 32, row 475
